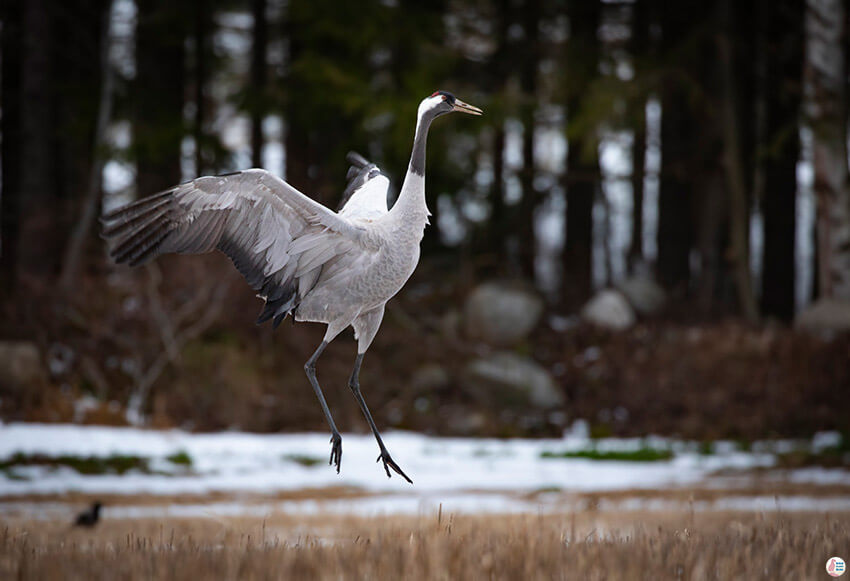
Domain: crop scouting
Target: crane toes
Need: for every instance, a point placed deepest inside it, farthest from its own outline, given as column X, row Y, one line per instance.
column 390, row 463
column 336, row 451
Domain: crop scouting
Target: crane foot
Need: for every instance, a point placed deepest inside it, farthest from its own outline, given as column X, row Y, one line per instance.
column 390, row 463
column 336, row 451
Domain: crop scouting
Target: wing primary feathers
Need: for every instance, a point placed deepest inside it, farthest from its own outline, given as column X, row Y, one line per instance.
column 128, row 218
column 137, row 204
column 133, row 246
column 131, row 230
column 269, row 230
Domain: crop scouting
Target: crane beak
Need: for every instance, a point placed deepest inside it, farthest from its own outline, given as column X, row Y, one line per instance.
column 466, row 108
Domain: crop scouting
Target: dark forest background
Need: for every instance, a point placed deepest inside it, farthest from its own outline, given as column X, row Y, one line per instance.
column 695, row 151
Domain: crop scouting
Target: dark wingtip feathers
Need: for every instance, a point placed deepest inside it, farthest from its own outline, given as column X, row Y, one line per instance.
column 356, row 159
column 278, row 307
column 135, row 231
column 264, row 316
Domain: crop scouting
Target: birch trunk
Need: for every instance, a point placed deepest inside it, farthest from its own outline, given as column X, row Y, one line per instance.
column 825, row 74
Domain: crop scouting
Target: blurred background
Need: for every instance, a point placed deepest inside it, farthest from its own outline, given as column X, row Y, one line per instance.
column 649, row 229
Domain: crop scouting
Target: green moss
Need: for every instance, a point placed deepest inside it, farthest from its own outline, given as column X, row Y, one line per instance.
column 181, row 458
column 12, row 475
column 599, row 431
column 706, row 448
column 308, row 461
column 844, row 445
column 546, row 489
column 832, row 457
column 743, row 445
column 828, row 457
column 639, row 455
column 114, row 464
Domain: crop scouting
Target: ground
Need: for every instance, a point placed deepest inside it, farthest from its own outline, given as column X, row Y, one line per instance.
column 578, row 545
column 236, row 505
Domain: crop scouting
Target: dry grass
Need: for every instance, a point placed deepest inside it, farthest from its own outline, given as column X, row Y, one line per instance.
column 581, row 546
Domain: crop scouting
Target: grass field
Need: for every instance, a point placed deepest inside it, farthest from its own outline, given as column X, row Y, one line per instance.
column 585, row 545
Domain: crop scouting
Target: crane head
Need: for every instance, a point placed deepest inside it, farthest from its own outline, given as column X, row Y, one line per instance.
column 442, row 102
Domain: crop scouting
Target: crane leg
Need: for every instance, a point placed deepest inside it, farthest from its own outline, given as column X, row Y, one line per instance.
column 354, row 384
column 336, row 439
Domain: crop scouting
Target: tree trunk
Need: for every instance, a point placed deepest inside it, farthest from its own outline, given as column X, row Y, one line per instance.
column 10, row 201
column 497, row 226
column 158, row 128
column 582, row 177
column 734, row 162
column 258, row 81
column 825, row 75
column 528, row 84
column 40, row 239
column 711, row 237
column 675, row 195
column 77, row 72
column 635, row 253
column 498, row 72
column 639, row 48
column 201, row 40
column 578, row 246
column 783, row 47
column 297, row 139
column 90, row 202
column 678, row 144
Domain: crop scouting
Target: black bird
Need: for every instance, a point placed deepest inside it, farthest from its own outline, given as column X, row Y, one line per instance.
column 89, row 518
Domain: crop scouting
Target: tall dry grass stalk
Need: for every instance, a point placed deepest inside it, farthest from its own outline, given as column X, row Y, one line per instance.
column 583, row 546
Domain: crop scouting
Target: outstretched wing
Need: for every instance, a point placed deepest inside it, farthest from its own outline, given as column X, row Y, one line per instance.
column 277, row 237
column 365, row 196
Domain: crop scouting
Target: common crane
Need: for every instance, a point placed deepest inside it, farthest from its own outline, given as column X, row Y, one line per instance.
column 338, row 268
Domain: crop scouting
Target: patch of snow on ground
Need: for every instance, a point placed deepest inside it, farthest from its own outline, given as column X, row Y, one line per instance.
column 445, row 470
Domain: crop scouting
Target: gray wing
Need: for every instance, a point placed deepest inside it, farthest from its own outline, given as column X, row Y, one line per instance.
column 277, row 237
column 365, row 196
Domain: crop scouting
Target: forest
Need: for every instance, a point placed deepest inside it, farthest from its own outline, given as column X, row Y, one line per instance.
column 658, row 190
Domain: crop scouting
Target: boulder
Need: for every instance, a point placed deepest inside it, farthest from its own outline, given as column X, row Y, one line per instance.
column 609, row 309
column 461, row 421
column 825, row 318
column 644, row 294
column 21, row 366
column 512, row 380
column 501, row 314
column 429, row 377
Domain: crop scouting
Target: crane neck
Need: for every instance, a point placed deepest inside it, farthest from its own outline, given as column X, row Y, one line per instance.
column 417, row 156
column 411, row 198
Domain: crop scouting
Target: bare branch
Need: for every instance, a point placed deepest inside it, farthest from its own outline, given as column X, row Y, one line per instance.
column 210, row 311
